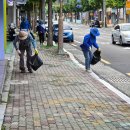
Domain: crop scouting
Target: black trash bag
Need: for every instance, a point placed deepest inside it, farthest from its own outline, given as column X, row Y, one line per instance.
column 35, row 62
column 96, row 57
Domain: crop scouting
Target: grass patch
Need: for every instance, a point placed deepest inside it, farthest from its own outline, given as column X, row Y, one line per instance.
column 3, row 127
column 9, row 48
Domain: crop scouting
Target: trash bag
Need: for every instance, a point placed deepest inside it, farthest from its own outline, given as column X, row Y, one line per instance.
column 35, row 62
column 96, row 57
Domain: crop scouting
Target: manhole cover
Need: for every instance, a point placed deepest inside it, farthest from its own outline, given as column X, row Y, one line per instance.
column 18, row 82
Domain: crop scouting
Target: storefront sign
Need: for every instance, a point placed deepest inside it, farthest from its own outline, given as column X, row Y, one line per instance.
column 21, row 1
column 128, row 4
column 127, row 11
column 10, row 2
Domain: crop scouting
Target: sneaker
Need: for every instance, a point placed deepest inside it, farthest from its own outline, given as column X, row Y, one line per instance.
column 89, row 70
column 30, row 71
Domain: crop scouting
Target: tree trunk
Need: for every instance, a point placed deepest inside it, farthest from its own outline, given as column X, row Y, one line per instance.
column 33, row 20
column 40, row 9
column 50, row 35
column 60, row 31
column 43, row 11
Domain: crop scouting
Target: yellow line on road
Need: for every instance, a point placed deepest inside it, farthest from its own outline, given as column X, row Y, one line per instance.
column 128, row 74
column 106, row 62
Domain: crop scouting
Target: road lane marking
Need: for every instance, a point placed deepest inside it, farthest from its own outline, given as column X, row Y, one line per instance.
column 73, row 45
column 106, row 62
column 126, row 48
column 128, row 74
column 77, row 41
column 109, row 86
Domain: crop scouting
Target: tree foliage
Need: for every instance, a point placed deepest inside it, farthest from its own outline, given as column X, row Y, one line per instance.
column 115, row 3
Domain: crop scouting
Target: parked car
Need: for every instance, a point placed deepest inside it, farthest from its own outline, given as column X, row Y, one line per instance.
column 68, row 35
column 121, row 34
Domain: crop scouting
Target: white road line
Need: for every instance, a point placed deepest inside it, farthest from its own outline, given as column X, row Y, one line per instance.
column 110, row 87
column 128, row 74
column 106, row 62
column 77, row 41
column 127, row 48
column 73, row 45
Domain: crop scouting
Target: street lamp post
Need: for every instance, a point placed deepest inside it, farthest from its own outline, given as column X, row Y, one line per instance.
column 60, row 31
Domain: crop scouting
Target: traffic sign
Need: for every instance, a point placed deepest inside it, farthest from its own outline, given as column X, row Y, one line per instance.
column 128, row 4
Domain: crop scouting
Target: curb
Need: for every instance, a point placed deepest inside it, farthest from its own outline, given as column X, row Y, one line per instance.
column 6, row 88
column 106, row 84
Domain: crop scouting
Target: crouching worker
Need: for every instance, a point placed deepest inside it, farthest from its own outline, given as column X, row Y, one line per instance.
column 88, row 42
column 24, row 40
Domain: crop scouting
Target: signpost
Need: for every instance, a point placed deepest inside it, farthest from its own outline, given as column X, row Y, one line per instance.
column 10, row 2
column 128, row 7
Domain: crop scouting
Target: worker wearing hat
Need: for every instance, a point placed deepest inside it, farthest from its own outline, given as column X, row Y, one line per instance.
column 88, row 42
column 24, row 40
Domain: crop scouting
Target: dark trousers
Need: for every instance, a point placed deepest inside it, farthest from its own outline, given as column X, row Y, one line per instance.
column 29, row 54
column 41, row 37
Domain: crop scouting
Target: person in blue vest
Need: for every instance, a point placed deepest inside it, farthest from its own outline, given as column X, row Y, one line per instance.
column 88, row 42
column 41, row 29
column 25, row 25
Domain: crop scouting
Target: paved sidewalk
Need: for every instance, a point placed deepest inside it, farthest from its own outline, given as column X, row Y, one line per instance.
column 62, row 96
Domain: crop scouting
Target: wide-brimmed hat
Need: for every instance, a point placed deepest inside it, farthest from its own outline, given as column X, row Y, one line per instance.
column 23, row 35
column 94, row 32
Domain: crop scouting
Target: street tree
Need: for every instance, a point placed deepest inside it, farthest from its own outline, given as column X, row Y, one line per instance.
column 117, row 4
column 50, row 29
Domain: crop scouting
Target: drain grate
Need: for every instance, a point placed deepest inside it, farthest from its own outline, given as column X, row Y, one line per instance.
column 119, row 80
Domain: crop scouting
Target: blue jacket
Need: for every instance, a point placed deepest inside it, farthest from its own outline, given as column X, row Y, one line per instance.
column 25, row 25
column 41, row 29
column 89, row 41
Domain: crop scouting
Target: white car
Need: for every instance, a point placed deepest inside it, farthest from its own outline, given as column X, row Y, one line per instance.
column 121, row 34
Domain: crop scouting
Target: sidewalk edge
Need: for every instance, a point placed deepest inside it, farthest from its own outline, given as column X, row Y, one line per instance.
column 106, row 84
column 6, row 88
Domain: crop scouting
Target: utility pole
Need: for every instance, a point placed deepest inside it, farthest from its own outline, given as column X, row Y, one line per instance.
column 104, row 13
column 60, row 31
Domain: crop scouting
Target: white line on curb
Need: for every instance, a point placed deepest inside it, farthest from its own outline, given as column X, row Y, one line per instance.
column 109, row 86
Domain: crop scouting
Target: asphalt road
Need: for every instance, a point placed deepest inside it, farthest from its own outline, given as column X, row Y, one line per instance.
column 115, row 56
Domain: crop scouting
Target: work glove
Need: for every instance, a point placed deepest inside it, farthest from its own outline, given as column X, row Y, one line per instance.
column 36, row 51
column 19, row 52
